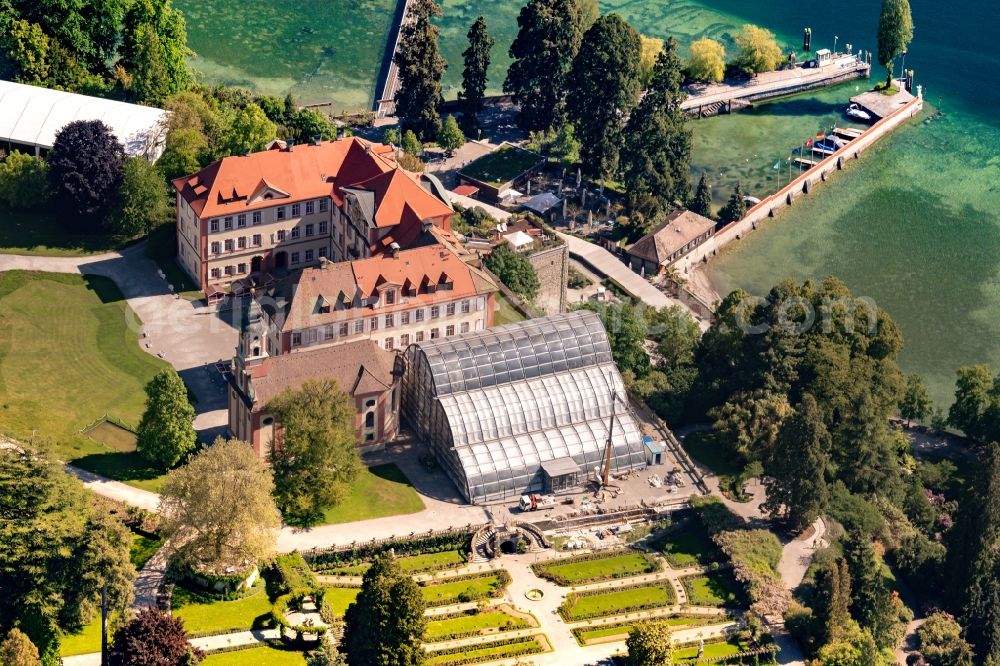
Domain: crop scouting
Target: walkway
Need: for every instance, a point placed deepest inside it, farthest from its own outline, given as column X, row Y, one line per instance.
column 606, row 264
column 207, row 643
column 149, row 579
column 117, row 490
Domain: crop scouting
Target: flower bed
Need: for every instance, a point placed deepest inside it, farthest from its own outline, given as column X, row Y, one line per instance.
column 462, row 589
column 352, row 562
column 592, row 635
column 596, row 567
column 504, row 649
column 617, row 601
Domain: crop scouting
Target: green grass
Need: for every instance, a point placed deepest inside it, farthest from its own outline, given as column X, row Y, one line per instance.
column 259, row 656
column 712, row 650
column 617, row 565
column 161, row 247
column 468, row 624
column 112, row 436
column 505, row 312
column 143, row 548
column 339, row 598
column 87, row 641
column 69, row 355
column 430, row 561
column 501, row 165
column 618, row 602
column 529, row 645
column 378, row 492
column 41, row 232
column 441, row 594
column 687, row 546
column 717, row 588
column 596, row 633
column 202, row 615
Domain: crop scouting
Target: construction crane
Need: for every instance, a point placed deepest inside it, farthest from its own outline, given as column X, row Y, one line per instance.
column 606, row 465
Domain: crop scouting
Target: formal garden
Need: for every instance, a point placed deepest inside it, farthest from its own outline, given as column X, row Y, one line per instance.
column 617, row 600
column 596, row 567
column 476, row 622
column 713, row 588
column 501, row 649
column 618, row 631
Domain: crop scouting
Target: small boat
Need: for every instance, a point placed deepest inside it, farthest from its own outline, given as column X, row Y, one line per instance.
column 857, row 113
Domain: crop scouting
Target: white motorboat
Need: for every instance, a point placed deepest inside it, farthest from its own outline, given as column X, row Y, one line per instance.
column 856, row 112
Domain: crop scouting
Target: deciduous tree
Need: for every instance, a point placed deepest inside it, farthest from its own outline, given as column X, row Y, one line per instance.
column 18, row 650
column 477, row 63
column 941, row 642
column 154, row 50
column 707, row 61
column 308, row 124
column 649, row 644
column 85, row 168
column 749, row 423
column 976, row 410
column 24, row 50
column 142, row 199
column 895, row 31
column 608, row 61
column 166, row 432
column 450, row 137
column 24, row 181
column 249, row 132
column 411, row 144
column 759, row 50
column 315, row 456
column 542, row 53
column 655, row 162
column 385, row 624
column 418, row 59
column 649, row 53
column 514, row 270
column 916, row 404
column 152, row 638
column 218, row 509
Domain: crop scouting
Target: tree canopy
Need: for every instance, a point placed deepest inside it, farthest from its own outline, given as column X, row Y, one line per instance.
column 18, row 650
column 24, row 180
column 166, row 432
column 420, row 65
column 736, row 208
column 514, row 270
column 141, row 203
column 702, row 202
column 474, row 75
column 895, row 32
column 707, row 61
column 649, row 644
column 152, row 638
column 85, row 168
column 315, row 456
column 758, row 50
column 450, row 137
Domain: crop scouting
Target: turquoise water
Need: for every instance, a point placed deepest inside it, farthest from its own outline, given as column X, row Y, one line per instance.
column 915, row 224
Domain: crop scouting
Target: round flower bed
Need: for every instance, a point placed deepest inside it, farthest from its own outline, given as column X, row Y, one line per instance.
column 534, row 594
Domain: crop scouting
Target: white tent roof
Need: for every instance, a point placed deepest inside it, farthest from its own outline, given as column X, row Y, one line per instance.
column 510, row 194
column 518, row 239
column 33, row 116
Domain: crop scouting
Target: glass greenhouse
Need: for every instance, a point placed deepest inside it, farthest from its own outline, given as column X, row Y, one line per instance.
column 522, row 408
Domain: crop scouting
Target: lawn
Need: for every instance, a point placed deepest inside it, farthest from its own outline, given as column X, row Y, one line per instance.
column 488, row 652
column 161, row 247
column 712, row 650
column 42, row 232
column 378, row 492
column 142, row 549
column 468, row 589
column 587, row 634
column 687, row 546
column 259, row 656
column 616, row 565
column 617, row 602
column 202, row 615
column 505, row 312
column 431, row 561
column 339, row 598
column 502, row 166
column 77, row 359
column 87, row 641
column 717, row 588
column 472, row 624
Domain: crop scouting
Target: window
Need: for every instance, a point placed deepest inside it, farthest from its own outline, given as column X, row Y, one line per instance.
column 296, row 339
column 229, row 270
column 344, row 330
column 322, row 205
column 404, row 340
column 241, row 268
column 370, row 420
column 279, row 213
column 230, row 245
column 435, row 334
column 390, row 296
column 322, row 227
column 449, row 331
column 465, row 327
column 388, row 343
column 228, row 223
column 256, row 240
column 295, row 232
column 310, row 207
column 420, row 336
column 465, row 306
column 450, row 309
column 256, row 217
column 435, row 311
column 213, row 225
column 374, row 324
column 309, row 255
column 389, row 321
column 216, row 272
column 322, row 252
column 281, row 235
column 216, row 247
column 404, row 318
column 309, row 229
column 295, row 257
column 296, row 210
column 241, row 242
column 359, row 326
column 419, row 314
column 241, row 220
column 328, row 333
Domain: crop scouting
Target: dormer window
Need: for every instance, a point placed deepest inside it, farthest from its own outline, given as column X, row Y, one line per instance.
column 390, row 296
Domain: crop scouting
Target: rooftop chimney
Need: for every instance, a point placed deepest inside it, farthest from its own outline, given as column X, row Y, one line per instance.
column 427, row 224
column 291, row 144
column 323, row 262
column 394, row 248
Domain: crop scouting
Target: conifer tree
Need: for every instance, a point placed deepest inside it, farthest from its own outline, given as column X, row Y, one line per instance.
column 795, row 481
column 736, row 208
column 895, row 31
column 872, row 604
column 657, row 139
column 702, row 202
column 833, row 600
column 608, row 61
column 477, row 63
column 420, row 66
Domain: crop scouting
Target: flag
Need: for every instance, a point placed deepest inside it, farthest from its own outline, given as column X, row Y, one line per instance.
column 820, row 135
column 777, row 166
column 809, row 143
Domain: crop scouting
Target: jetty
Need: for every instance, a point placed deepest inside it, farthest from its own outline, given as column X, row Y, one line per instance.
column 826, row 70
column 881, row 105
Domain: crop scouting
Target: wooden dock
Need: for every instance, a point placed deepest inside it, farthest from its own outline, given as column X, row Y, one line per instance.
column 848, row 133
column 803, row 162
